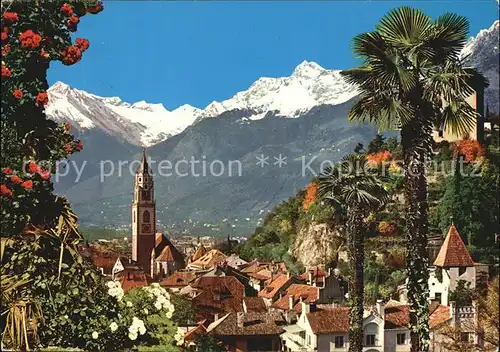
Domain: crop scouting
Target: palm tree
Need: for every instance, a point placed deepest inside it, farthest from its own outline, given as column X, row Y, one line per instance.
column 354, row 191
column 412, row 79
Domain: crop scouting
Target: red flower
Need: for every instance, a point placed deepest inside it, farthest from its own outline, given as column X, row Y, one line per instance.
column 5, row 30
column 44, row 54
column 42, row 98
column 15, row 179
column 30, row 39
column 33, row 167
column 6, row 50
column 95, row 9
column 7, row 170
column 5, row 72
column 4, row 36
column 67, row 9
column 82, row 44
column 68, row 148
column 72, row 55
column 67, row 126
column 44, row 174
column 5, row 191
column 79, row 145
column 27, row 184
column 18, row 93
column 10, row 17
column 74, row 19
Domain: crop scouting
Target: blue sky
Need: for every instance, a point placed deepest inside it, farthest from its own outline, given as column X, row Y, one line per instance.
column 195, row 52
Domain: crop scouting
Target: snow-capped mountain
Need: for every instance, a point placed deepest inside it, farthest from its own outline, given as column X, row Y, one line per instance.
column 482, row 52
column 147, row 124
column 139, row 123
column 309, row 85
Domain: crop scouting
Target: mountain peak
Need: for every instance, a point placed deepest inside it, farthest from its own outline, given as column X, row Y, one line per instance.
column 59, row 87
column 309, row 69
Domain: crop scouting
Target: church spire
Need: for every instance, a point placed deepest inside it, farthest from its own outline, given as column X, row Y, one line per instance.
column 144, row 167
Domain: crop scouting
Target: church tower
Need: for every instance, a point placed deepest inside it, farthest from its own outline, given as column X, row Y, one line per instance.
column 143, row 216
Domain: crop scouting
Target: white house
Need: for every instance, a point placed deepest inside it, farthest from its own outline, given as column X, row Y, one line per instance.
column 452, row 264
column 327, row 329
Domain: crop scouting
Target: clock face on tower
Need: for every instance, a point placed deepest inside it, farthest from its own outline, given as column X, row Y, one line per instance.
column 146, row 228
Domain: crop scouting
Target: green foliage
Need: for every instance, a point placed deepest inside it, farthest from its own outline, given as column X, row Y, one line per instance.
column 206, row 343
column 377, row 144
column 184, row 314
column 473, row 204
column 463, row 295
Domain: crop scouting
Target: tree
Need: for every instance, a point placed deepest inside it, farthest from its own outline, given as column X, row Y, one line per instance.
column 411, row 66
column 355, row 191
column 184, row 314
column 377, row 144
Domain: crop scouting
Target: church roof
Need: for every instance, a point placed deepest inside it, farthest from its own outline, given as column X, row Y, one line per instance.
column 453, row 252
column 165, row 251
column 209, row 260
column 200, row 252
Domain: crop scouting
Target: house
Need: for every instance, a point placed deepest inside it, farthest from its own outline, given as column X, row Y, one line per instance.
column 213, row 296
column 235, row 262
column 254, row 304
column 133, row 276
column 208, row 261
column 200, row 251
column 453, row 263
column 108, row 261
column 249, row 331
column 332, row 286
column 384, row 328
column 178, row 280
column 476, row 101
column 294, row 296
column 165, row 258
column 275, row 286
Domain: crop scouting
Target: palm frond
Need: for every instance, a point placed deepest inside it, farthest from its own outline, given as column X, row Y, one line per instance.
column 404, row 27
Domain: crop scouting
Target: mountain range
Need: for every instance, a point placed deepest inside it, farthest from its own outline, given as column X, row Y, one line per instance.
column 298, row 120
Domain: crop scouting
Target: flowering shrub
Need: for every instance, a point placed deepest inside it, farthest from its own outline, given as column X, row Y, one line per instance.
column 379, row 158
column 311, row 195
column 472, row 150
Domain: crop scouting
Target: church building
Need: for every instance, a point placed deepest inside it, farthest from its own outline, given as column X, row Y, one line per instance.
column 151, row 251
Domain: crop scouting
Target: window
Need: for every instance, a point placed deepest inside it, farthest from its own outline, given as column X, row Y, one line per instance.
column 146, row 195
column 303, row 335
column 401, row 339
column 339, row 341
column 146, row 217
column 467, row 337
column 370, row 340
column 461, row 270
column 438, row 297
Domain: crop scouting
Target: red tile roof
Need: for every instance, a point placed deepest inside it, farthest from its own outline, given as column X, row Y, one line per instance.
column 255, row 304
column 254, row 324
column 179, row 279
column 200, row 252
column 453, row 252
column 274, row 286
column 397, row 316
column 197, row 330
column 317, row 273
column 132, row 277
column 209, row 260
column 299, row 292
column 165, row 251
column 329, row 321
column 219, row 294
column 439, row 316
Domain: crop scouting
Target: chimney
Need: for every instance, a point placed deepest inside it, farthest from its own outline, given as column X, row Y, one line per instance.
column 453, row 308
column 310, row 278
column 216, row 316
column 290, row 302
column 335, row 304
column 381, row 308
column 312, row 307
column 239, row 318
column 128, row 275
column 329, row 271
column 306, row 308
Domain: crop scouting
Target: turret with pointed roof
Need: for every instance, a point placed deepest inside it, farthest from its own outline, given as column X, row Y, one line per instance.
column 453, row 252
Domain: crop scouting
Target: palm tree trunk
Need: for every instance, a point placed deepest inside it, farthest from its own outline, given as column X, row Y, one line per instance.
column 356, row 253
column 415, row 139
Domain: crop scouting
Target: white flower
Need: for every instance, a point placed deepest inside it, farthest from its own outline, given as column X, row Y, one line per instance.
column 169, row 315
column 171, row 308
column 111, row 284
column 129, row 304
column 66, row 316
column 95, row 335
column 158, row 305
column 155, row 284
column 113, row 326
column 132, row 336
column 161, row 299
column 142, row 330
column 146, row 311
